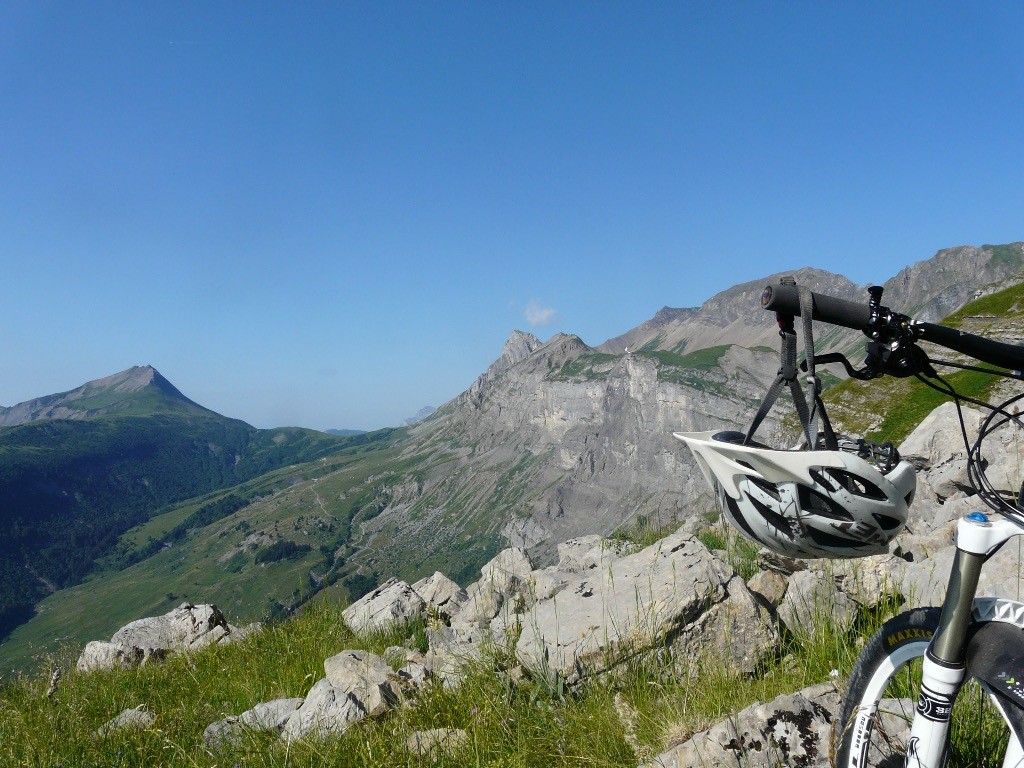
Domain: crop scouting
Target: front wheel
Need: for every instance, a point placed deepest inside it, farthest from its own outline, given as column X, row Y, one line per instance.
column 881, row 698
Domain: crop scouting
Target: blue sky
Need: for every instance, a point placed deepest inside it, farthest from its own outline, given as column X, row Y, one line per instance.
column 330, row 215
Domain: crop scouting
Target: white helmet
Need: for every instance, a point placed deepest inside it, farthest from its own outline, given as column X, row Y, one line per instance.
column 807, row 504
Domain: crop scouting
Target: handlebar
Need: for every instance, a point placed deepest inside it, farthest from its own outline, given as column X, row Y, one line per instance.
column 849, row 314
column 828, row 309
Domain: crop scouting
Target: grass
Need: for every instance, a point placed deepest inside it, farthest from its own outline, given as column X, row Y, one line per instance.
column 589, row 366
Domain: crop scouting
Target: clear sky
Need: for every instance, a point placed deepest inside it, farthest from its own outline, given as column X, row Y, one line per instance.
column 331, row 214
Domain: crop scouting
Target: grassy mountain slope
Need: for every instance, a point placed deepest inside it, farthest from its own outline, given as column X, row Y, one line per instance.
column 71, row 487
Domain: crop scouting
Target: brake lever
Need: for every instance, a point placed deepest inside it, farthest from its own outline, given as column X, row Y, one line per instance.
column 864, row 374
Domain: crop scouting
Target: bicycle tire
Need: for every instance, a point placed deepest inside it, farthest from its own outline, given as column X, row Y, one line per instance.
column 881, row 697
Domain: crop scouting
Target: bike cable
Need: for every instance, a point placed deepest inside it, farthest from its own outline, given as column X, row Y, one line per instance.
column 1002, row 502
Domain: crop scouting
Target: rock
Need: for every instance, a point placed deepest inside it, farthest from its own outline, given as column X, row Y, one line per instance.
column 453, row 649
column 736, row 631
column 636, row 601
column 366, row 677
column 358, row 684
column 326, row 711
column 187, row 628
column 586, row 552
column 811, row 597
column 398, row 655
column 414, row 674
column 793, row 730
column 429, row 744
column 99, row 654
column 268, row 716
column 394, row 602
column 136, row 719
column 441, row 594
column 504, row 579
column 241, row 634
column 546, row 582
column 769, row 587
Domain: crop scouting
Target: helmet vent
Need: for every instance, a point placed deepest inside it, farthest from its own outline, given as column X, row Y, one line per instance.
column 773, row 518
column 858, row 486
column 823, row 480
column 813, row 502
column 887, row 523
column 736, row 515
column 767, row 487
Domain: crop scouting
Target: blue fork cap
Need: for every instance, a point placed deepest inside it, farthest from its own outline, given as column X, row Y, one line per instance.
column 977, row 517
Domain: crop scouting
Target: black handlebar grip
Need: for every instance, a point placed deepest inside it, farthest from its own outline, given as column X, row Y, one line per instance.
column 828, row 309
column 988, row 351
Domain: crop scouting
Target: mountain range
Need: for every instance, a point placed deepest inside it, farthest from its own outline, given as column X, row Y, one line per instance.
column 152, row 498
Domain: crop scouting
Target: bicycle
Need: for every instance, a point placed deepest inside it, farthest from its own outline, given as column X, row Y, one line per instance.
column 964, row 639
column 845, row 498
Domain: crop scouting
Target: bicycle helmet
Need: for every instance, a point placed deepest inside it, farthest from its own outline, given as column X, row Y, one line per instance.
column 844, row 503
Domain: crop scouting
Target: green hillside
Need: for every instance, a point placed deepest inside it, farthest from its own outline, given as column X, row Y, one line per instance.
column 890, row 408
column 70, row 488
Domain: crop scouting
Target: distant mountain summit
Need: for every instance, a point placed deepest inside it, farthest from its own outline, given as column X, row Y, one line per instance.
column 419, row 416
column 139, row 391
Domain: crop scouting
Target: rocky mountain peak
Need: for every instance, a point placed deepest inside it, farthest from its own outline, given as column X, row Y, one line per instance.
column 667, row 315
column 520, row 345
column 139, row 389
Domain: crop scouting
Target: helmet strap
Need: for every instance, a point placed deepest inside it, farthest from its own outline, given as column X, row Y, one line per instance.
column 809, row 407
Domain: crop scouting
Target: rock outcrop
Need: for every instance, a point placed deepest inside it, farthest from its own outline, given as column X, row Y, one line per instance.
column 187, row 628
column 792, row 730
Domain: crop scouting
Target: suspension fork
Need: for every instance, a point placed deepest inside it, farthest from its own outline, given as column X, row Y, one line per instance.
column 977, row 539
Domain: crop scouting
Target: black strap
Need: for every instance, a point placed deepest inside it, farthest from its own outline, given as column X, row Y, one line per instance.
column 809, row 407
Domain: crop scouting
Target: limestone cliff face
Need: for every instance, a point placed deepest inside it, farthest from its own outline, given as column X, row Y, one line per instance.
column 567, row 441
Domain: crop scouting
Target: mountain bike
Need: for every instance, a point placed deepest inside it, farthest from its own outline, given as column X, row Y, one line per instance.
column 903, row 699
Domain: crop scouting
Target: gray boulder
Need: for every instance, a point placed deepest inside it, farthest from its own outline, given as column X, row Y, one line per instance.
column 99, row 654
column 268, row 716
column 358, row 684
column 638, row 600
column 506, row 579
column 813, row 597
column 454, row 649
column 366, row 677
column 792, row 730
column 135, row 719
column 737, row 631
column 394, row 602
column 441, row 594
column 187, row 628
column 586, row 552
column 326, row 711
